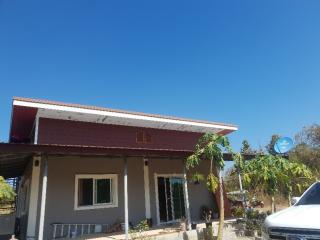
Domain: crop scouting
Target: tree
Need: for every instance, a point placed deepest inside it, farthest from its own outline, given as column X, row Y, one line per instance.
column 7, row 194
column 297, row 178
column 310, row 136
column 239, row 165
column 261, row 175
column 270, row 146
column 274, row 174
column 306, row 155
column 211, row 147
column 246, row 148
column 307, row 149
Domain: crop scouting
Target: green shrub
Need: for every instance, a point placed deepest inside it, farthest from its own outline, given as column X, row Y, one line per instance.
column 7, row 193
column 238, row 212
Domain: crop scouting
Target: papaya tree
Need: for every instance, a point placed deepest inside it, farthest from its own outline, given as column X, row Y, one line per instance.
column 297, row 178
column 239, row 165
column 263, row 174
column 211, row 147
column 273, row 174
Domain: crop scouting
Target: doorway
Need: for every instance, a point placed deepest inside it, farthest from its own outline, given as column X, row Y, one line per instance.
column 170, row 198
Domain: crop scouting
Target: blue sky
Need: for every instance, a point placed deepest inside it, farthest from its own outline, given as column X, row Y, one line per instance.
column 252, row 63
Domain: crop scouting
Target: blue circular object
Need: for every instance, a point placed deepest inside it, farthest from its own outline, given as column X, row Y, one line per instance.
column 283, row 145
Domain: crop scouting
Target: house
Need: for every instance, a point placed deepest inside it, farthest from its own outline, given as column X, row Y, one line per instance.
column 83, row 168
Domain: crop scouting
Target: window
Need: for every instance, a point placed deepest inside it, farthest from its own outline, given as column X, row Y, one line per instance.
column 96, row 191
column 143, row 137
column 312, row 196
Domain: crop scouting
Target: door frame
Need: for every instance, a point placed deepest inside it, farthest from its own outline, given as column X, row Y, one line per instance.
column 156, row 175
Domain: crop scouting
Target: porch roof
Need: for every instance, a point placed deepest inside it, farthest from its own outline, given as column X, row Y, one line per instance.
column 15, row 156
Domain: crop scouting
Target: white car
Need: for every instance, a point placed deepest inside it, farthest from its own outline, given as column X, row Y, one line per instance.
column 298, row 222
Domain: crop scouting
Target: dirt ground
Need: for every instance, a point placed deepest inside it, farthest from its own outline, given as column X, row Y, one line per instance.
column 165, row 234
column 281, row 203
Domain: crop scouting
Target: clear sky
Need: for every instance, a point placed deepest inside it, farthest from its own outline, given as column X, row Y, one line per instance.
column 252, row 63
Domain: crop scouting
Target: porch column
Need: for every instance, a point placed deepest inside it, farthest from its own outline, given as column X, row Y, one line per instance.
column 186, row 197
column 43, row 198
column 126, row 210
column 33, row 199
column 146, row 187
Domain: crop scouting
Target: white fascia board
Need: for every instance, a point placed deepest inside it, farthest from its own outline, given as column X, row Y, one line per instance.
column 120, row 115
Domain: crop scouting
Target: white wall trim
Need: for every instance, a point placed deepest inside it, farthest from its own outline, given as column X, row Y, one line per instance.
column 33, row 200
column 146, row 188
column 114, row 190
column 123, row 115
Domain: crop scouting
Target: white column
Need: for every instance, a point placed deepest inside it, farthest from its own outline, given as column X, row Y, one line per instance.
column 186, row 197
column 36, row 130
column 146, row 187
column 33, row 201
column 43, row 198
column 126, row 210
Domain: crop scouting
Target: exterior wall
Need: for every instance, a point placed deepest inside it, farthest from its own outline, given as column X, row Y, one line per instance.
column 61, row 188
column 198, row 194
column 52, row 131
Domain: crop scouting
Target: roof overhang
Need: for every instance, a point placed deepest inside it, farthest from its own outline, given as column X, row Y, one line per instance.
column 74, row 112
column 14, row 157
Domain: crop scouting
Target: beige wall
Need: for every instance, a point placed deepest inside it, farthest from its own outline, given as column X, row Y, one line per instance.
column 198, row 194
column 61, row 187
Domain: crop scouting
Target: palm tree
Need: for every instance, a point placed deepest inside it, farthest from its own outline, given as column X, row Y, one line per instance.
column 211, row 147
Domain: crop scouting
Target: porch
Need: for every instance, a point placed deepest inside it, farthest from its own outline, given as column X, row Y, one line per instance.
column 52, row 170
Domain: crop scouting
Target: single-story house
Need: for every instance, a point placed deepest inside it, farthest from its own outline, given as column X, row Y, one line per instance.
column 84, row 168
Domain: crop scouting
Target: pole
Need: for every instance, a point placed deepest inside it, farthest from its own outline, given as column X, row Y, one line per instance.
column 126, row 211
column 186, row 198
column 43, row 198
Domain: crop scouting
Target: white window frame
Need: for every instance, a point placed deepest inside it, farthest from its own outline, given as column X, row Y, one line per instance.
column 114, row 191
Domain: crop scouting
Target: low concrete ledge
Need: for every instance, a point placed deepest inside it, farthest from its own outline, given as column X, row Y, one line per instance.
column 7, row 224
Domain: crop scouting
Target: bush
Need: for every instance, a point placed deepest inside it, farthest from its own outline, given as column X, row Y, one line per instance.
column 254, row 220
column 238, row 212
column 7, row 193
column 139, row 231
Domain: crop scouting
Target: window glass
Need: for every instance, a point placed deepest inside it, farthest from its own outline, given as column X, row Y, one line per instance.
column 312, row 196
column 85, row 192
column 103, row 191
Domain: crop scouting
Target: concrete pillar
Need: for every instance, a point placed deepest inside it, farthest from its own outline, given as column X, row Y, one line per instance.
column 33, row 201
column 186, row 197
column 126, row 210
column 43, row 198
column 146, row 188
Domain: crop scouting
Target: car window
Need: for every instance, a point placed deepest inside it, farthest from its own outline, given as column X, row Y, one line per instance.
column 312, row 196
